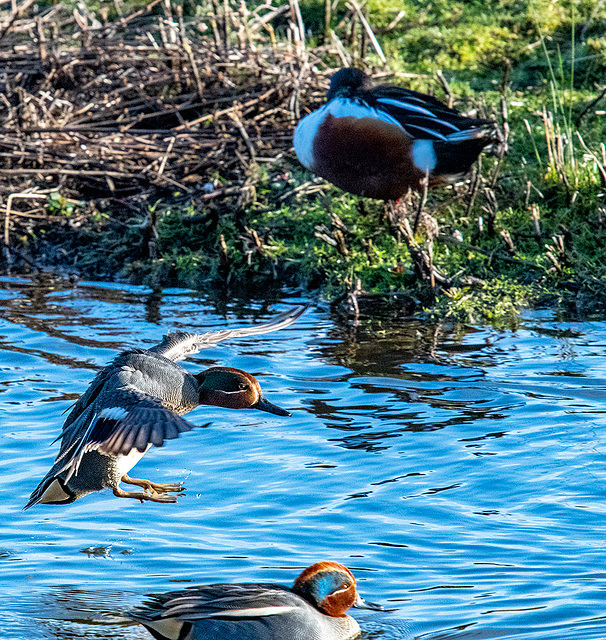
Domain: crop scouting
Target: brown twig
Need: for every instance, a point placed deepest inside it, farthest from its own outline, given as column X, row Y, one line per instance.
column 16, row 13
column 120, row 114
column 368, row 30
column 446, row 87
column 589, row 106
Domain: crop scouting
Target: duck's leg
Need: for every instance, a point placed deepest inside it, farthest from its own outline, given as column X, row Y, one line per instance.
column 154, row 487
column 119, row 493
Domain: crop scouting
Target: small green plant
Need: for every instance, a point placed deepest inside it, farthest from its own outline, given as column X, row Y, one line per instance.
column 60, row 206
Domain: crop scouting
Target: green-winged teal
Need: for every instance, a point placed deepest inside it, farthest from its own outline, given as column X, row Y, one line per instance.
column 314, row 608
column 137, row 401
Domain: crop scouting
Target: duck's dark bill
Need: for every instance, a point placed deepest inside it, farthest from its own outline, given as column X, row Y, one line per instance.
column 360, row 603
column 265, row 405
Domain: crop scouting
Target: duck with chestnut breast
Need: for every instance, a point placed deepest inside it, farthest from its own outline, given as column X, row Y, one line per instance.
column 137, row 401
column 379, row 142
column 314, row 608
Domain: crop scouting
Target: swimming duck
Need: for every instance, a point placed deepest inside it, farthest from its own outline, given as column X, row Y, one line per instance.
column 137, row 401
column 380, row 142
column 314, row 608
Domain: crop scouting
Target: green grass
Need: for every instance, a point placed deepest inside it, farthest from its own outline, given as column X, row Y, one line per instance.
column 553, row 57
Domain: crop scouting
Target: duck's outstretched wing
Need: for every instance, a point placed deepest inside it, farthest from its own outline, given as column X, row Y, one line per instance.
column 95, row 389
column 127, row 421
column 177, row 346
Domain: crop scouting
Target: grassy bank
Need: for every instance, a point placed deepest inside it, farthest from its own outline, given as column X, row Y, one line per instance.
column 191, row 179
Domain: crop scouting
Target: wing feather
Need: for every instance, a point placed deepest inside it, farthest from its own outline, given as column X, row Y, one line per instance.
column 229, row 601
column 142, row 439
column 177, row 346
column 129, row 420
column 426, row 117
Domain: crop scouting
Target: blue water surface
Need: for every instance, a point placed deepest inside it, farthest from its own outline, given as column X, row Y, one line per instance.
column 458, row 471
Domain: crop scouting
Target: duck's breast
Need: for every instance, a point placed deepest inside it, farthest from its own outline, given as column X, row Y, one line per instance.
column 362, row 150
column 159, row 377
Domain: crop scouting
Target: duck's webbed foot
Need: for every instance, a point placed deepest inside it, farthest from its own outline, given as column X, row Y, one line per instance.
column 119, row 493
column 154, row 487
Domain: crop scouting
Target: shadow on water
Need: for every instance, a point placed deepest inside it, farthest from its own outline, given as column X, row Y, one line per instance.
column 383, row 349
column 60, row 310
column 69, row 614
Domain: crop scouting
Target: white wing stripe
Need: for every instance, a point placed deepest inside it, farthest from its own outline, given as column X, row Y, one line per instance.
column 258, row 612
column 469, row 134
column 187, row 611
column 446, row 124
column 113, row 413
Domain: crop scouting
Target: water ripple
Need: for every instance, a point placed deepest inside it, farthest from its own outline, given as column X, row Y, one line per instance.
column 459, row 471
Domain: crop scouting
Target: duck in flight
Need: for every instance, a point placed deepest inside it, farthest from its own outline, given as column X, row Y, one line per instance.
column 379, row 142
column 137, row 401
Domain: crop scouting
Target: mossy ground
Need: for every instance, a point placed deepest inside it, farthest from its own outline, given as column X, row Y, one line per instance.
column 533, row 232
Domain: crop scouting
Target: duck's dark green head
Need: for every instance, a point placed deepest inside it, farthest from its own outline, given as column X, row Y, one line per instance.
column 346, row 83
column 234, row 389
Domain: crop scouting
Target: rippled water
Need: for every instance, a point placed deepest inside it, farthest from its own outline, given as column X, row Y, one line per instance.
column 458, row 472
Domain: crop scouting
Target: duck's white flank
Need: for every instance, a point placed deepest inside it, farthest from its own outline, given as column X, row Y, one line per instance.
column 125, row 463
column 339, row 108
column 424, row 155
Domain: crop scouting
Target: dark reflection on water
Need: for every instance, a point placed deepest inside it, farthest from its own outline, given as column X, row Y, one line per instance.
column 458, row 470
column 70, row 613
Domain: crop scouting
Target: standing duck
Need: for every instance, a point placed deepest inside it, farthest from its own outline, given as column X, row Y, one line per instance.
column 137, row 401
column 380, row 142
column 314, row 608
